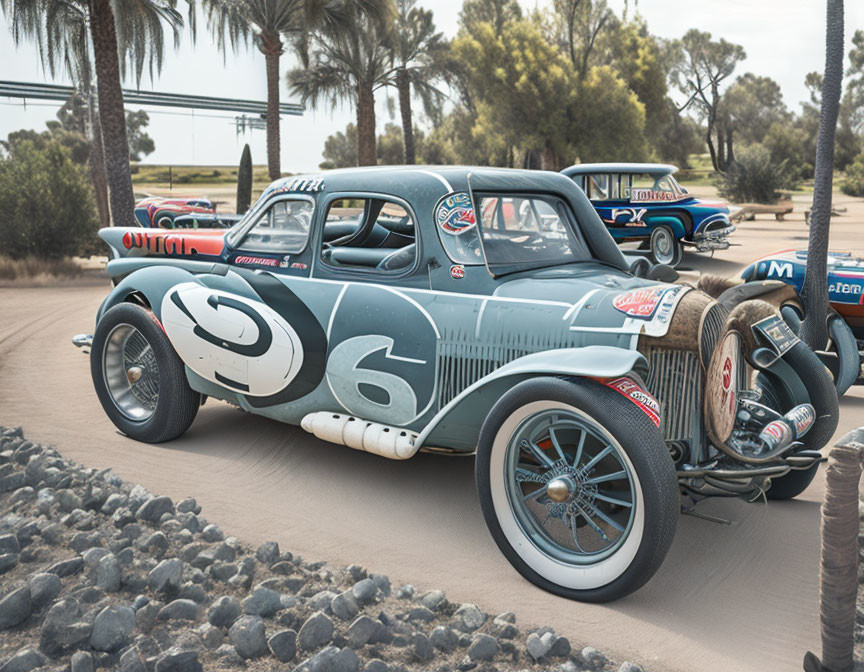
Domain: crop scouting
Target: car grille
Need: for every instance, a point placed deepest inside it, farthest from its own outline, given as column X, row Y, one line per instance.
column 675, row 379
column 712, row 329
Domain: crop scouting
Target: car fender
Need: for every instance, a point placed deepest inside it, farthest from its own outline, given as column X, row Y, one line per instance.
column 460, row 419
column 673, row 223
column 150, row 283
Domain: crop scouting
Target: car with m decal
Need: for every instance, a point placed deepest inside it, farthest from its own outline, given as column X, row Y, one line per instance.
column 471, row 311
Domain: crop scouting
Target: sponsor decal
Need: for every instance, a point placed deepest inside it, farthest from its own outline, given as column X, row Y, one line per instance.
column 651, row 195
column 779, row 269
column 777, row 333
column 641, row 303
column 172, row 243
column 299, row 184
column 775, row 433
column 255, row 261
column 300, row 265
column 727, row 373
column 455, row 214
column 802, row 418
column 633, row 216
column 638, row 396
column 457, row 271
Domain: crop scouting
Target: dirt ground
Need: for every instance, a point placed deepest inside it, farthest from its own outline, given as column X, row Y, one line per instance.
column 740, row 597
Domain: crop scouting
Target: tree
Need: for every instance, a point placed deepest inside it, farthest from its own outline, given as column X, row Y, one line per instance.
column 747, row 110
column 87, row 37
column 349, row 61
column 140, row 143
column 265, row 22
column 699, row 68
column 814, row 331
column 418, row 51
column 340, row 149
column 580, row 23
column 244, row 181
column 497, row 13
column 45, row 200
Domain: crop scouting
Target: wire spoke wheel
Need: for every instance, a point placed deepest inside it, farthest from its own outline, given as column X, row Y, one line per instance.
column 663, row 246
column 131, row 372
column 569, row 487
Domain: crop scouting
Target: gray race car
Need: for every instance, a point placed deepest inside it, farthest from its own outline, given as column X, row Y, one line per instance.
column 487, row 311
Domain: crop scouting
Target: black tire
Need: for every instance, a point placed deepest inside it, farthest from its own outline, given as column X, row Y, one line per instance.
column 176, row 404
column 664, row 236
column 644, row 447
column 823, row 397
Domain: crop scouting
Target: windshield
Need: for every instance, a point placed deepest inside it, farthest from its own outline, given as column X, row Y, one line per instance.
column 525, row 232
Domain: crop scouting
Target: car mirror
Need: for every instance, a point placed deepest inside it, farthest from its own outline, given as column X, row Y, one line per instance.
column 662, row 273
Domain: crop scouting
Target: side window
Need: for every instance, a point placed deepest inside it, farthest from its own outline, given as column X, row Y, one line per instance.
column 282, row 227
column 373, row 234
column 599, row 187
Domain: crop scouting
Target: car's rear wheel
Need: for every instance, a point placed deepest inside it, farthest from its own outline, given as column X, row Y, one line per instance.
column 139, row 379
column 577, row 488
column 664, row 247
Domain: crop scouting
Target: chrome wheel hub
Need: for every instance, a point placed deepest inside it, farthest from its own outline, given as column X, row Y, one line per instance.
column 131, row 372
column 569, row 486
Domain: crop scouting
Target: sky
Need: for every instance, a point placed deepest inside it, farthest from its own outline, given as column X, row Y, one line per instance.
column 784, row 39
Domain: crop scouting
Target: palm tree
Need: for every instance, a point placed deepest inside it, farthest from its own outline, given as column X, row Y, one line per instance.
column 418, row 52
column 350, row 60
column 86, row 37
column 814, row 331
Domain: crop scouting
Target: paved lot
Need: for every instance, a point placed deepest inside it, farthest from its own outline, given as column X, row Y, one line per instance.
column 742, row 597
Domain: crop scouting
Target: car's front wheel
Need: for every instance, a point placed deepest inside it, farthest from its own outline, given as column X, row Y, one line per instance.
column 577, row 487
column 139, row 379
column 665, row 248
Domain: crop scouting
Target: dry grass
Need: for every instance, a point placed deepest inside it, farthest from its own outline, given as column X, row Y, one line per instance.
column 31, row 270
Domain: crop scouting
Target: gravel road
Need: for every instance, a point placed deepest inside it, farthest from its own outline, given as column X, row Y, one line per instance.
column 740, row 597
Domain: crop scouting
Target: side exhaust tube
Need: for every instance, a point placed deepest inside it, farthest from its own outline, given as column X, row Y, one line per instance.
column 393, row 443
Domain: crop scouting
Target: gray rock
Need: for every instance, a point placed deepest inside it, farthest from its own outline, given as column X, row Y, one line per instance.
column 283, row 645
column 321, row 601
column 537, row 646
column 262, row 602
column 434, row 600
column 483, row 647
column 67, row 567
column 228, row 657
column 320, row 662
column 108, row 574
column 627, row 666
column 421, row 614
column 212, row 533
column 44, row 587
column 268, row 552
column 423, row 649
column 166, row 576
column 364, row 591
column 376, row 665
column 67, row 500
column 382, row 582
column 444, row 639
column 224, row 611
column 82, row 661
column 361, row 631
column 344, row 661
column 114, row 502
column 112, row 627
column 145, row 617
column 469, row 618
column 92, row 556
column 344, row 606
column 24, row 661
column 9, row 544
column 7, row 562
column 248, row 637
column 131, row 661
column 151, row 510
column 316, row 631
column 176, row 659
column 188, row 505
column 594, row 658
column 15, row 480
column 179, row 610
column 15, row 608
column 560, row 647
column 62, row 628
column 211, row 636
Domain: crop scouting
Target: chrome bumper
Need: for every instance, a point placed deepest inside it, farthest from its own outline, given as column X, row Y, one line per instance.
column 82, row 340
column 711, row 240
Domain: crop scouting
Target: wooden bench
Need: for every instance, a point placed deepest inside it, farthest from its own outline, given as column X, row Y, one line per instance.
column 835, row 212
column 748, row 211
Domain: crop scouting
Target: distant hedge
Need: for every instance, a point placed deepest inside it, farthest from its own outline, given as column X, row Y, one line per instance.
column 853, row 185
column 46, row 202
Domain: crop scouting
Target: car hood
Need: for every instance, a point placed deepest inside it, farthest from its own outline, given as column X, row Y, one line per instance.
column 601, row 298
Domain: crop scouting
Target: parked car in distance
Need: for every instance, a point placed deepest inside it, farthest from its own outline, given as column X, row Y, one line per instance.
column 181, row 213
column 472, row 311
column 643, row 202
column 845, row 357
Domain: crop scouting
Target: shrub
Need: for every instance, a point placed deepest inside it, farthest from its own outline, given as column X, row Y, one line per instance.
column 853, row 185
column 754, row 178
column 46, row 203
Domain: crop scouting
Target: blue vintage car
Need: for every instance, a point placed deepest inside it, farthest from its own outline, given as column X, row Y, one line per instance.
column 471, row 311
column 643, row 202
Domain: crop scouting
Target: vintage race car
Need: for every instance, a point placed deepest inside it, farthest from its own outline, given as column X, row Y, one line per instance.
column 181, row 213
column 845, row 356
column 643, row 202
column 487, row 311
